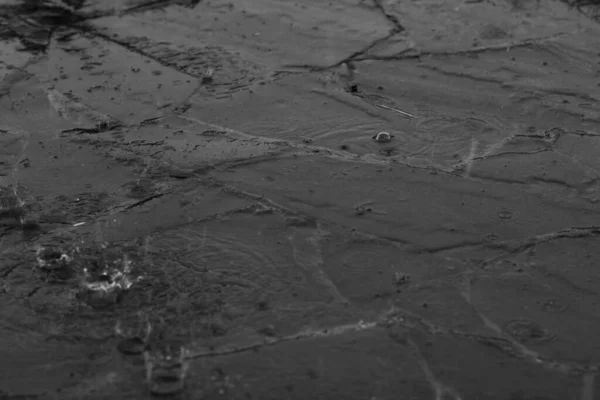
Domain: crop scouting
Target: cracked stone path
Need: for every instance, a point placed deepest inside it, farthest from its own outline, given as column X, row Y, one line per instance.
column 227, row 150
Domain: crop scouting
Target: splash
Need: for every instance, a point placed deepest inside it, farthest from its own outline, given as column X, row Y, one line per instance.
column 166, row 368
column 110, row 279
column 51, row 259
column 103, row 279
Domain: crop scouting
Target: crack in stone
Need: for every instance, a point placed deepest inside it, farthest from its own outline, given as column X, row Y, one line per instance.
column 391, row 18
column 412, row 53
column 397, row 29
column 570, row 233
column 89, row 30
column 513, row 246
column 397, row 317
column 9, row 270
column 311, row 259
column 439, row 388
column 477, row 49
column 345, row 60
column 301, row 335
column 485, row 157
column 155, row 4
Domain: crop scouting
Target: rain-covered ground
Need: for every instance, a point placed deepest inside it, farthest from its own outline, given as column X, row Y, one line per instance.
column 195, row 201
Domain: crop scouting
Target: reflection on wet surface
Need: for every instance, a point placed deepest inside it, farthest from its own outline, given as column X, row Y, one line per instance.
column 299, row 200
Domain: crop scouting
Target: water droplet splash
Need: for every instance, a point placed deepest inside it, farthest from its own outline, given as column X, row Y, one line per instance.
column 50, row 259
column 103, row 281
column 54, row 263
column 166, row 368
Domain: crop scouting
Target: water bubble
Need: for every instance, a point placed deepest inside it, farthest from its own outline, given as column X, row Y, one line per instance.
column 383, row 137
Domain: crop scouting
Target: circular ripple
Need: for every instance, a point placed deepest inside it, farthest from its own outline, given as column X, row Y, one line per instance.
column 441, row 140
column 140, row 189
column 554, row 305
column 231, row 264
column 504, row 214
column 491, row 237
column 527, row 331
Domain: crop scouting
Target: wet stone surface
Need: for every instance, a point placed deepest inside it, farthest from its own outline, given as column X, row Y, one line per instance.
column 299, row 200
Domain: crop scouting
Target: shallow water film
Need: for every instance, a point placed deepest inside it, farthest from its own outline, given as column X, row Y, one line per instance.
column 278, row 199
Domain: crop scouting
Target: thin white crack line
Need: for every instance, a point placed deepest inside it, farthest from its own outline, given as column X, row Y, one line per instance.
column 305, row 334
column 439, row 389
column 478, row 49
column 405, row 318
column 314, row 266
